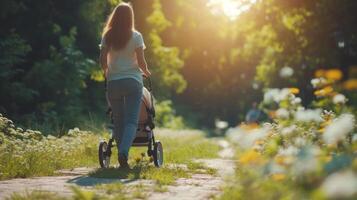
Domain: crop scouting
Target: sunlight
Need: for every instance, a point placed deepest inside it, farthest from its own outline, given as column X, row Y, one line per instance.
column 231, row 8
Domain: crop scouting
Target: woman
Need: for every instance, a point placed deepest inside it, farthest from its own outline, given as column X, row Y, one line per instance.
column 123, row 62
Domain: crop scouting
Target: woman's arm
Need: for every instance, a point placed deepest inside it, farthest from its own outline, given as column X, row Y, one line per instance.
column 103, row 60
column 142, row 61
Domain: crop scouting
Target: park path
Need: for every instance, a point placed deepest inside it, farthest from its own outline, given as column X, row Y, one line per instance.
column 202, row 186
column 199, row 186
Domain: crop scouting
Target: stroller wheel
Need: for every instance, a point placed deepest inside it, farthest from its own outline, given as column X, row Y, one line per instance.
column 158, row 154
column 104, row 154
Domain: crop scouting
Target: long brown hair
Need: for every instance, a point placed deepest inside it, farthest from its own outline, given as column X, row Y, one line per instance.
column 119, row 27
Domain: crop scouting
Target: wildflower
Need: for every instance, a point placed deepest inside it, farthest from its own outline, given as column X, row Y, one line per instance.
column 221, row 124
column 286, row 72
column 296, row 100
column 282, row 113
column 328, row 90
column 339, row 99
column 340, row 185
column 284, row 160
column 350, row 84
column 319, row 73
column 290, row 151
column 334, row 74
column 270, row 94
column 308, row 115
column 339, row 128
column 251, row 157
column 300, row 142
column 318, row 82
column 288, row 130
column 276, row 95
column 278, row 177
column 246, row 139
column 294, row 90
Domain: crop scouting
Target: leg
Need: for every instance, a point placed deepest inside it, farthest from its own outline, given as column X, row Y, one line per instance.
column 116, row 100
column 118, row 119
column 131, row 116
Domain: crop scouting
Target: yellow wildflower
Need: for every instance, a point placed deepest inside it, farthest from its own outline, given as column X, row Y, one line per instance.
column 249, row 127
column 320, row 73
column 350, row 84
column 324, row 91
column 278, row 177
column 272, row 114
column 294, row 90
column 334, row 74
column 259, row 142
column 251, row 157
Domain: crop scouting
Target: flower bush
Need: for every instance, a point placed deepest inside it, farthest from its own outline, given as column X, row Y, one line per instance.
column 304, row 153
column 26, row 153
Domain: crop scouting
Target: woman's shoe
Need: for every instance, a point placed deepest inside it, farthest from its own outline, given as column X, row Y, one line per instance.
column 123, row 161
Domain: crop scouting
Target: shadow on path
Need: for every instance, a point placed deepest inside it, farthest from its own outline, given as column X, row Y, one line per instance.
column 107, row 176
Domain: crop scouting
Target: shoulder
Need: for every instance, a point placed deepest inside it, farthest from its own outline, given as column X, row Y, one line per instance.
column 136, row 34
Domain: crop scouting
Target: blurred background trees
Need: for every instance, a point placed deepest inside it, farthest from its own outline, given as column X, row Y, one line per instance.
column 211, row 58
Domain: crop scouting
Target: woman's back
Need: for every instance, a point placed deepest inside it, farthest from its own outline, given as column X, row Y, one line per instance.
column 123, row 63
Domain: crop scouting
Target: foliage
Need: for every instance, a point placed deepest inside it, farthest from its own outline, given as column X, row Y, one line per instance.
column 27, row 153
column 166, row 116
column 165, row 61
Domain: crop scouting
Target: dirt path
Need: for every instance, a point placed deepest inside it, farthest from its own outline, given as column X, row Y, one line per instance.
column 202, row 186
column 199, row 186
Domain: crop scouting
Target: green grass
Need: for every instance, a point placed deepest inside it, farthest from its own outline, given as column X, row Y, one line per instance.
column 35, row 195
column 180, row 149
column 27, row 153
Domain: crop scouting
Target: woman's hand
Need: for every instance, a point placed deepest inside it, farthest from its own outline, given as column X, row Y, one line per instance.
column 146, row 72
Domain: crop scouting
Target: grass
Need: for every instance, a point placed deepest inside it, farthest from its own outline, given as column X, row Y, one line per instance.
column 35, row 195
column 27, row 153
column 180, row 148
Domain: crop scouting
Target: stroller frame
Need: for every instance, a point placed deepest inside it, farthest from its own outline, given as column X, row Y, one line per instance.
column 144, row 134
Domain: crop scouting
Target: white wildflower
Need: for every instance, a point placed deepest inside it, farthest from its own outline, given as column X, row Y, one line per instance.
column 290, row 151
column 282, row 113
column 339, row 99
column 340, row 185
column 300, row 142
column 309, row 115
column 270, row 94
column 296, row 100
column 286, row 72
column 317, row 82
column 286, row 131
column 246, row 139
column 339, row 128
column 51, row 137
column 221, row 124
column 283, row 94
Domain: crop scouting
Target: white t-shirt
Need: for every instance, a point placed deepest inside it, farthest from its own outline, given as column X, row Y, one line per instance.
column 123, row 63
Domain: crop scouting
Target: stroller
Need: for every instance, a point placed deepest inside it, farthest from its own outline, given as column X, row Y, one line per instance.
column 144, row 133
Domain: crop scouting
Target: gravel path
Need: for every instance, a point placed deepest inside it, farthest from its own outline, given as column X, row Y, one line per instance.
column 199, row 186
column 202, row 186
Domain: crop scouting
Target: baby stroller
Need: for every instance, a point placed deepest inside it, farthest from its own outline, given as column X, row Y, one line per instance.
column 144, row 134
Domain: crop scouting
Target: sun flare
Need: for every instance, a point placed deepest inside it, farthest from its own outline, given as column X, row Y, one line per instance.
column 231, row 8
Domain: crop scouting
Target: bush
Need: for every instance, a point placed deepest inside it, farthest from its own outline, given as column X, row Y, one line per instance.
column 25, row 153
column 166, row 116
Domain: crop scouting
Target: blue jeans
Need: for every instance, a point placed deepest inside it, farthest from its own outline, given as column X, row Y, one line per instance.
column 125, row 99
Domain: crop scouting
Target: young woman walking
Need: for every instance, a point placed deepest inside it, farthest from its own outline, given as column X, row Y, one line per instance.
column 123, row 62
